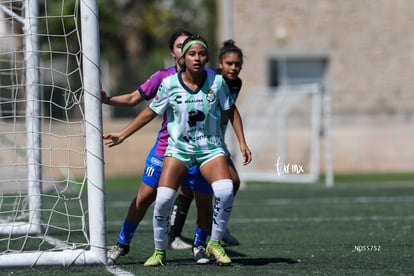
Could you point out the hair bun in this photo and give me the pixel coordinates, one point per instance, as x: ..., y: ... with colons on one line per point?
x: 229, y: 43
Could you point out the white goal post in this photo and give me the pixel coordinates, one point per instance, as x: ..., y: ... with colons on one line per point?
x: 284, y: 127
x: 52, y: 200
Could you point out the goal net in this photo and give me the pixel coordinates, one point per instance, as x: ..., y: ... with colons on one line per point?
x: 51, y: 155
x: 284, y: 127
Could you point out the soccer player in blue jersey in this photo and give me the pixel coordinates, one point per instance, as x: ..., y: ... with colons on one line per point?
x: 193, y: 100
x: 230, y: 62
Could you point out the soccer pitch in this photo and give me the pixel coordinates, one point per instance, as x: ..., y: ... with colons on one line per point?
x: 362, y: 226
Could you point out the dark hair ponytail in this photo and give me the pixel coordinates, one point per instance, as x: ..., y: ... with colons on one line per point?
x: 229, y: 46
x: 177, y: 34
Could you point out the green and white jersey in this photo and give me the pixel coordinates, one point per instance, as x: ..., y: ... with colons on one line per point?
x: 193, y: 117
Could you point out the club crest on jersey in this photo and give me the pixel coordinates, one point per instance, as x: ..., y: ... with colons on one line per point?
x: 210, y: 95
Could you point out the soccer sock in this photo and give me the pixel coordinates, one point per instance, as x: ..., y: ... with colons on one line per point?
x: 127, y: 232
x: 179, y: 215
x: 161, y: 218
x: 200, y: 237
x: 223, y: 191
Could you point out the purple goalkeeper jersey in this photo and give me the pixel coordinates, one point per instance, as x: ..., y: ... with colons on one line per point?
x: 149, y: 90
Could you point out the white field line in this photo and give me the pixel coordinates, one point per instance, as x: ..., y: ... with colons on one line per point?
x: 58, y: 243
x: 118, y: 271
x: 301, y: 201
x: 296, y: 219
x: 336, y: 200
x: 320, y: 219
x: 289, y: 201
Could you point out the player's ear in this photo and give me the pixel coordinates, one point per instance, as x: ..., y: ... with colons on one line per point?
x: 172, y: 54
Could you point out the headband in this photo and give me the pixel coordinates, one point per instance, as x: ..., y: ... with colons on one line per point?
x: 192, y: 42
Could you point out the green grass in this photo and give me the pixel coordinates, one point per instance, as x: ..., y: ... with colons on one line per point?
x: 285, y: 229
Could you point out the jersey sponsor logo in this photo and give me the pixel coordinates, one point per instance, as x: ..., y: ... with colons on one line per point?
x: 211, y: 96
x: 156, y: 161
x: 194, y: 101
x: 194, y: 117
x: 150, y: 171
x: 209, y: 139
x: 178, y: 100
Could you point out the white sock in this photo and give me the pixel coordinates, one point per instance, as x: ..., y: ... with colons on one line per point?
x: 223, y: 192
x: 161, y: 218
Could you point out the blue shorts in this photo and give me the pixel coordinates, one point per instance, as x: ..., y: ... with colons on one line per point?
x: 196, y: 181
x: 152, y: 170
x: 152, y: 173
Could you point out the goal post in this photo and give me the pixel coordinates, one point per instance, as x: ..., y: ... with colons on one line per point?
x: 33, y: 123
x: 52, y: 199
x: 93, y: 126
x: 284, y: 128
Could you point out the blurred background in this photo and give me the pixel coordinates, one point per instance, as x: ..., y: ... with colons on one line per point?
x: 361, y: 51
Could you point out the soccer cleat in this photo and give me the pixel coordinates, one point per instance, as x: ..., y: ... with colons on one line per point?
x: 229, y: 239
x: 200, y: 255
x: 215, y: 249
x: 117, y: 251
x: 158, y: 258
x: 178, y: 244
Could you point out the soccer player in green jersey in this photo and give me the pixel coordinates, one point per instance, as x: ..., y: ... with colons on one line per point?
x: 230, y: 62
x: 194, y: 100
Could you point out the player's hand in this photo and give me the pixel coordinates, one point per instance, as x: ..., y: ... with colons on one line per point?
x: 247, y: 154
x: 112, y: 139
x: 104, y: 97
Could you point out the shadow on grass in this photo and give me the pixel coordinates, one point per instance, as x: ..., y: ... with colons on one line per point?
x: 263, y: 261
x: 236, y: 261
x: 243, y: 259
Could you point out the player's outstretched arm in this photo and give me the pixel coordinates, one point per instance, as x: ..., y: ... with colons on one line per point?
x: 115, y: 138
x: 236, y: 121
x: 129, y: 100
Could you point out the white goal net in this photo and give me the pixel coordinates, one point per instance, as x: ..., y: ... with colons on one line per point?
x: 51, y: 155
x: 284, y: 128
